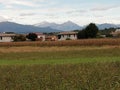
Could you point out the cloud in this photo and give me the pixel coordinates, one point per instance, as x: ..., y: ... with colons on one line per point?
x: 76, y: 11
x: 104, y: 8
x: 28, y: 14
x: 24, y: 3
x: 35, y: 11
x: 4, y: 18
x: 12, y: 3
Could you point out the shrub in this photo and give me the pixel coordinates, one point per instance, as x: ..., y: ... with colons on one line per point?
x: 19, y: 38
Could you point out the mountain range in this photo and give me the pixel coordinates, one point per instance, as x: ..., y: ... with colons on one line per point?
x: 19, y: 28
x: 47, y: 27
x: 66, y: 26
x: 107, y: 25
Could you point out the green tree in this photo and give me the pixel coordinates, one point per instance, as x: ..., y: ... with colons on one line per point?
x: 91, y: 31
x: 32, y: 36
x: 81, y: 34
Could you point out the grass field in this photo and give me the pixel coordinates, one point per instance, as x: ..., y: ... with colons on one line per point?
x: 60, y: 68
x: 58, y: 55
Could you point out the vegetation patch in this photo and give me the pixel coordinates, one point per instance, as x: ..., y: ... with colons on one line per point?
x: 81, y: 42
x: 60, y: 68
x: 95, y: 76
x: 58, y: 55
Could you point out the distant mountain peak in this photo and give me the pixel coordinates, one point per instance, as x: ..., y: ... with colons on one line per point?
x: 66, y: 26
x: 45, y: 22
x: 68, y: 21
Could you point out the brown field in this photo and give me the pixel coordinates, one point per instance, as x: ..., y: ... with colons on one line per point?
x: 53, y: 48
x: 83, y: 42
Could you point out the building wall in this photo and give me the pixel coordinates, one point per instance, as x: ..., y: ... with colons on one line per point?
x: 71, y: 37
x: 5, y: 39
x: 116, y: 33
x: 51, y: 38
x: 41, y: 36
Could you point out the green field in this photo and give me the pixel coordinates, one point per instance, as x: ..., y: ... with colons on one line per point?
x: 70, y: 56
x: 60, y: 68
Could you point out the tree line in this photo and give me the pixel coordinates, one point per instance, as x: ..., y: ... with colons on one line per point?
x: 92, y: 31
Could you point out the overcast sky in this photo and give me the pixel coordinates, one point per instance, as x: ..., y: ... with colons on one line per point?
x: 81, y: 12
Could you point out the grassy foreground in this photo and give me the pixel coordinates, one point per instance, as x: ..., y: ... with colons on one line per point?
x: 60, y: 68
x: 97, y: 76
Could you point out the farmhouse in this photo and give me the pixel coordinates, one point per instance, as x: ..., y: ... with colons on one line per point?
x: 67, y: 36
x: 116, y: 33
x: 51, y: 38
x: 6, y: 37
x: 40, y: 36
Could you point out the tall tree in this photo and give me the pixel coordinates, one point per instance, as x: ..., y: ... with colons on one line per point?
x: 81, y: 34
x: 32, y: 36
x: 91, y: 30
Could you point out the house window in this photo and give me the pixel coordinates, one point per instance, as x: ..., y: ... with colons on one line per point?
x: 0, y: 38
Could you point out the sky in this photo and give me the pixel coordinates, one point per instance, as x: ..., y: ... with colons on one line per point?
x: 81, y: 12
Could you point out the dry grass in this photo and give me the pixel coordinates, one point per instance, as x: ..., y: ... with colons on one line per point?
x: 83, y: 42
x: 50, y: 49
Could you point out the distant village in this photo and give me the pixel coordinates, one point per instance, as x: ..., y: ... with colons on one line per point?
x: 71, y: 35
x: 11, y: 36
x: 55, y: 36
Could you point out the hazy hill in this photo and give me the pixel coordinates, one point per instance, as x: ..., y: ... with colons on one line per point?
x: 67, y: 26
x: 107, y: 25
x: 19, y: 28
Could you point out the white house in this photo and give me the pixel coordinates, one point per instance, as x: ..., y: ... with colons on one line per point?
x: 67, y: 36
x: 116, y: 33
x: 6, y: 37
x: 40, y: 36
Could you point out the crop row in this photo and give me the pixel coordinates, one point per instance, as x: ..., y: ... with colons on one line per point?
x: 83, y: 42
x: 61, y: 77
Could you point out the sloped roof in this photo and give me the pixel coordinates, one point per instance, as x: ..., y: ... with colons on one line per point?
x: 6, y: 35
x: 41, y: 34
x: 37, y: 33
x: 66, y: 33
